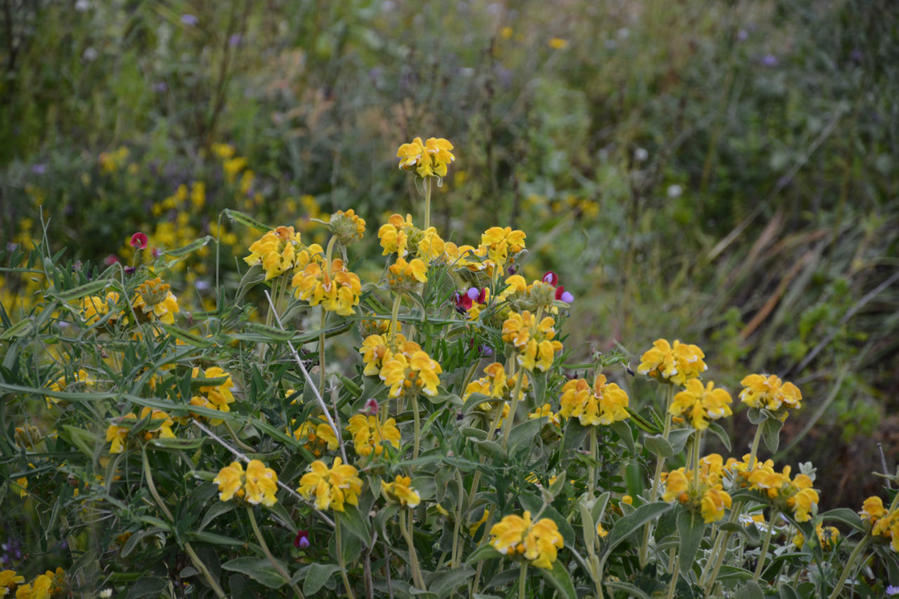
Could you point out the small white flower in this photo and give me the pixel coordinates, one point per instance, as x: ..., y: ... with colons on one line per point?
x: 105, y: 593
x: 640, y: 154
x: 675, y: 191
x: 90, y: 54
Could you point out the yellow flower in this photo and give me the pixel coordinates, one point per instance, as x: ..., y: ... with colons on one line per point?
x: 604, y: 404
x: 463, y: 257
x: 163, y: 429
x: 223, y: 150
x: 332, y: 487
x: 827, y: 535
x: 317, y: 435
x: 872, y: 509
x: 703, y: 493
x: 429, y: 159
x: 215, y: 397
x: 8, y: 581
x: 94, y: 307
x: 374, y: 349
x: 771, y: 393
x: 627, y: 500
x: 673, y: 363
x: 394, y: 235
x: 155, y: 301
x: 602, y: 532
x: 279, y: 251
x: 116, y: 434
x: 411, y: 371
x: 39, y: 588
x: 369, y: 434
x: 233, y: 166
x: 498, y: 386
x: 538, y: 542
x: 403, y: 273
x: 261, y: 484
x: 230, y: 481
x: 699, y: 403
x: 533, y: 342
x: 713, y: 503
x: 335, y: 288
x: 545, y: 411
x: 401, y: 490
x: 63, y: 382
x: 557, y: 43
x: 473, y: 528
x: 499, y: 244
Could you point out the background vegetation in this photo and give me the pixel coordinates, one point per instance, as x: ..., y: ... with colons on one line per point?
x: 723, y: 173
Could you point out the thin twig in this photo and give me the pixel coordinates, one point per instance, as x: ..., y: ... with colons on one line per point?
x: 243, y: 457
x: 309, y: 381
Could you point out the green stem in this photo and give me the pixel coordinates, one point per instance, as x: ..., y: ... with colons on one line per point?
x: 321, y: 352
x: 764, y: 552
x: 754, y: 449
x: 656, y: 478
x: 716, y: 556
x: 507, y: 425
x: 406, y: 530
x: 672, y: 567
x: 522, y: 578
x: 458, y: 524
x: 340, y: 561
x: 427, y: 186
x: 697, y: 441
x: 591, y: 475
x: 853, y: 557
x: 394, y: 315
x: 268, y: 554
x: 416, y: 422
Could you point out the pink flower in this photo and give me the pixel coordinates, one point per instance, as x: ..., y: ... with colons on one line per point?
x: 110, y: 259
x: 139, y: 240
x: 551, y: 278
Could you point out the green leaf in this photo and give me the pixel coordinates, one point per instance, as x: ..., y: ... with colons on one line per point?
x: 83, y: 290
x: 787, y: 592
x: 771, y: 433
x: 524, y: 433
x: 246, y: 220
x: 749, y: 590
x: 353, y: 522
x: 187, y: 337
x: 560, y: 579
x: 446, y: 583
x: 678, y: 438
x: 23, y: 328
x: 259, y: 569
x: 489, y: 449
x: 177, y: 444
x: 733, y: 574
x: 632, y: 590
x: 846, y: 516
x: 623, y: 430
x: 147, y: 586
x: 190, y: 248
x: 483, y: 552
x: 80, y: 438
x: 658, y: 445
x: 628, y: 525
x: 316, y: 575
x: 690, y: 528
x: 215, y: 539
x: 718, y: 430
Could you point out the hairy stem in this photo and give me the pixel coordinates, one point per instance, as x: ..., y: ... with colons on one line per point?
x: 268, y: 554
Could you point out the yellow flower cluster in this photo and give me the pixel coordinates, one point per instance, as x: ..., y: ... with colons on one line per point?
x: 827, y: 537
x: 501, y: 244
x: 155, y: 301
x: 545, y: 411
x: 43, y: 586
x: 769, y: 392
x: 402, y: 365
x: 794, y: 495
x: 672, y: 363
x: 884, y: 523
x: 332, y: 487
x: 604, y: 403
x: 318, y: 436
x: 429, y: 159
x: 94, y: 307
x: 215, y: 396
x: 464, y: 257
x: 334, y: 286
x: 497, y: 385
x: 63, y: 382
x: 403, y: 274
x: 700, y: 403
x: 534, y: 342
x: 401, y: 490
x: 346, y: 226
x: 257, y: 485
x: 281, y: 250
x: 116, y: 434
x: 703, y: 493
x: 369, y: 433
x: 539, y: 542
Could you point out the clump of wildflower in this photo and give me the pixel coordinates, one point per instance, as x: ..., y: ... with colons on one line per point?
x: 257, y: 485
x: 403, y: 275
x: 546, y: 411
x: 117, y: 432
x: 702, y: 493
x: 215, y: 396
x: 471, y: 301
x: 399, y: 236
x: 538, y: 542
x: 742, y: 472
x: 401, y: 491
x: 675, y: 363
x: 700, y: 403
x: 795, y: 495
x: 827, y: 537
x: 498, y: 386
x: 533, y: 342
x: 333, y: 487
x: 429, y: 159
x: 94, y: 307
x: 65, y: 381
x: 884, y: 523
x: 463, y: 257
x: 281, y: 250
x: 42, y: 587
x: 501, y: 245
x: 770, y: 393
x: 401, y: 364
x: 155, y: 301
x: 603, y: 403
x: 8, y: 581
x: 346, y: 226
x: 333, y: 286
x: 318, y: 436
x: 369, y: 434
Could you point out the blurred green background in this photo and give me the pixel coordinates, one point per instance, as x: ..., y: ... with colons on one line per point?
x: 720, y: 172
